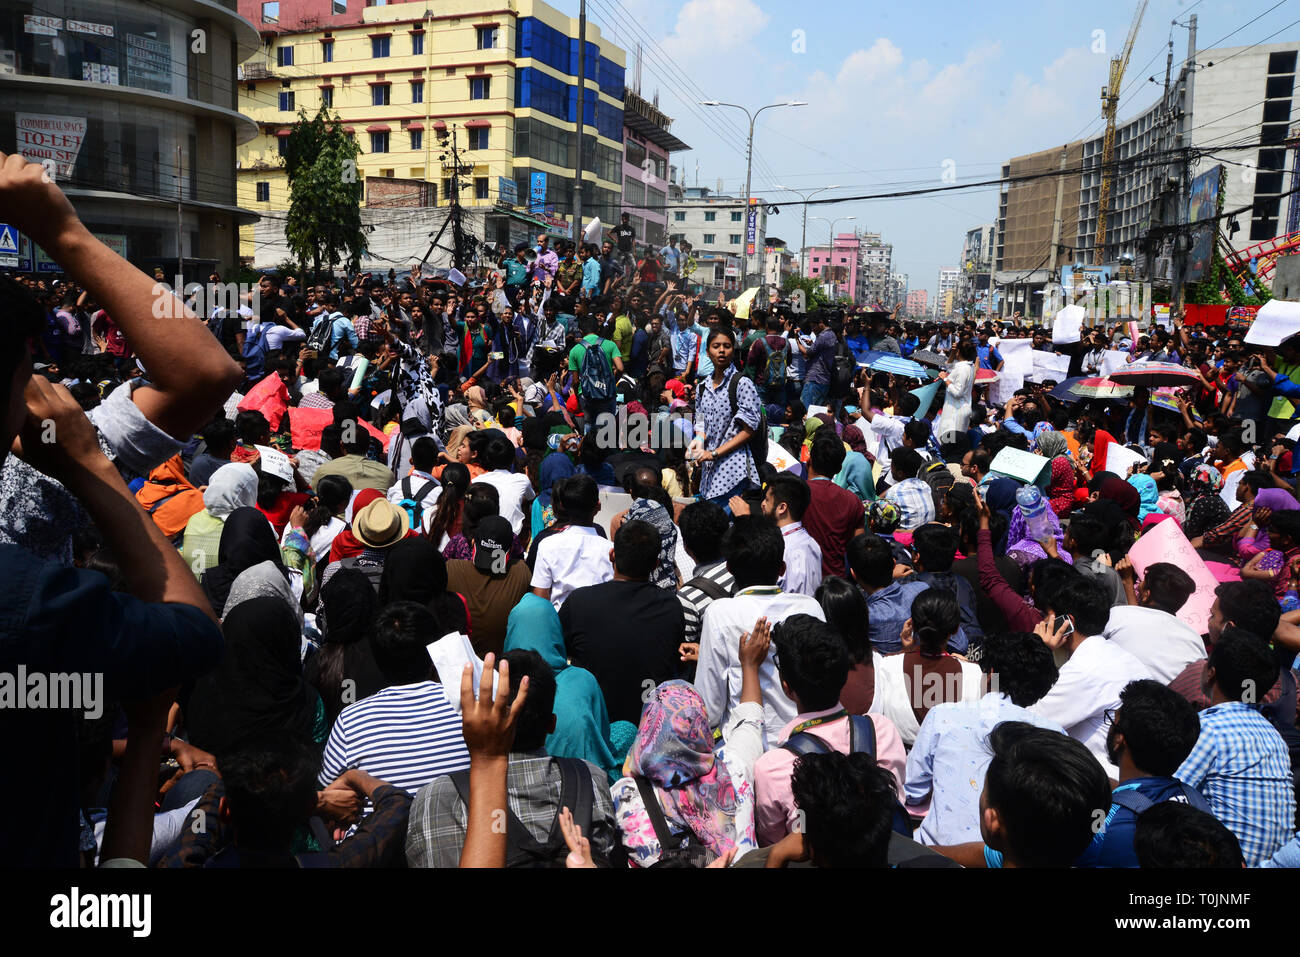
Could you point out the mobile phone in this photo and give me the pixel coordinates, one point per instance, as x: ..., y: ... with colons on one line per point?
x: 1067, y: 625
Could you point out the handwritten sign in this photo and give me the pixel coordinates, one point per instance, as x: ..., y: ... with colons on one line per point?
x: 1119, y: 459
x: 1167, y: 543
x: 1048, y: 365
x: 1017, y: 357
x: 1276, y: 321
x: 1017, y: 464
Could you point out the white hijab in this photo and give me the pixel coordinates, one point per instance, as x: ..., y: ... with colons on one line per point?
x: 231, y: 486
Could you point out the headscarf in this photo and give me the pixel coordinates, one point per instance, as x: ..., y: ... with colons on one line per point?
x: 1148, y: 494
x: 855, y: 440
x: 414, y: 570
x: 1279, y: 500
x: 453, y: 417
x: 1024, y: 550
x: 261, y: 581
x: 476, y: 398
x: 258, y: 686
x: 347, y: 609
x: 1051, y: 444
x: 883, y: 516
x: 664, y: 574
x: 1206, y: 480
x: 674, y: 752
x: 230, y: 487
x: 581, y: 717
x: 1206, y: 510
x: 1060, y: 490
x: 556, y: 466
x: 1001, y: 495
x: 1110, y: 486
x: 247, y: 540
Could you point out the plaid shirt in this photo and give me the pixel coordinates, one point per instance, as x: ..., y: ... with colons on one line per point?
x: 376, y: 842
x: 362, y: 324
x: 438, y: 816
x: 915, y: 499
x: 1222, y: 535
x: 1241, y: 764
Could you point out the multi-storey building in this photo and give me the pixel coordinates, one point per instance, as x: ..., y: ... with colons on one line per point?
x: 976, y: 268
x: 648, y: 141
x: 839, y: 266
x: 407, y: 79
x: 133, y: 104
x: 946, y: 292
x: 714, y: 225
x: 778, y: 262
x: 918, y: 304
x: 877, y: 261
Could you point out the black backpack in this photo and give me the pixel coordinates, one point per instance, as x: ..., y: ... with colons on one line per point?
x: 862, y: 740
x: 758, y: 439
x: 522, y: 849
x: 1137, y: 803
x: 844, y: 367
x: 681, y: 850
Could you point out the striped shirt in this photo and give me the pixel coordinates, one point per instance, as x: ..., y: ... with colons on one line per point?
x: 406, y: 735
x: 1241, y: 764
x: 695, y: 600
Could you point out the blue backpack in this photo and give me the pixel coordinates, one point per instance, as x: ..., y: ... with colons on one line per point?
x: 596, y: 378
x: 255, y: 351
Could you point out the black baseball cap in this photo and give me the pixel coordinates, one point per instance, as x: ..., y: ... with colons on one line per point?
x: 493, y: 540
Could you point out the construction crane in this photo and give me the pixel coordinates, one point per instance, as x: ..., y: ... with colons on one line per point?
x: 1109, y: 106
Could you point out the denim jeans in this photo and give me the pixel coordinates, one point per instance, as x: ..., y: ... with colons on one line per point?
x: 814, y: 394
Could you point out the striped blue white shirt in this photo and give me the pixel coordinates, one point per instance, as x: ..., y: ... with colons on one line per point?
x: 406, y: 735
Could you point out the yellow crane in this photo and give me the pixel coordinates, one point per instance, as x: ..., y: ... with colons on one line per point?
x: 1109, y: 106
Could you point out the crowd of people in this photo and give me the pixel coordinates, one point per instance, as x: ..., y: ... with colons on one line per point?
x: 572, y: 568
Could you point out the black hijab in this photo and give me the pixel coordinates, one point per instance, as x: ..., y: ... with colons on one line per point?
x: 258, y: 687
x: 414, y: 570
x: 349, y: 608
x: 247, y: 540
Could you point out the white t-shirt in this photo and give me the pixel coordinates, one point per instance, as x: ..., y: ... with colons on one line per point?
x: 573, y: 558
x: 515, y: 490
x: 1156, y: 638
x: 277, y: 336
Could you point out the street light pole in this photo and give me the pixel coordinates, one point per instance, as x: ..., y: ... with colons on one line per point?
x: 749, y: 172
x: 831, y: 245
x: 803, y: 241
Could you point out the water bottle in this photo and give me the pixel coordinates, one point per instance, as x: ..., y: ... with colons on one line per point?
x: 1033, y: 508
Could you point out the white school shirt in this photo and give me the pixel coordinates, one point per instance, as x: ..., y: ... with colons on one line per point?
x: 515, y: 490
x: 1156, y: 638
x: 803, y: 561
x: 573, y: 558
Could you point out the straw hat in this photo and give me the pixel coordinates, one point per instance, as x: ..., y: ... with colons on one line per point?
x: 380, y: 524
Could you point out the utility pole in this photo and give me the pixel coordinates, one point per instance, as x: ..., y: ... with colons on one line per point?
x: 1056, y: 222
x: 180, y: 223
x: 582, y: 107
x: 1184, y: 236
x: 803, y: 242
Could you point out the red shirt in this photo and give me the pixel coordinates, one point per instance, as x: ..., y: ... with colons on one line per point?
x: 278, y: 514
x: 834, y: 516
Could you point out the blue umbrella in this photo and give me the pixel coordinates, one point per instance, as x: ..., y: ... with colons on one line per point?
x: 897, y: 365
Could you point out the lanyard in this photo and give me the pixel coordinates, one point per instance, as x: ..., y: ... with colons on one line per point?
x: 814, y: 722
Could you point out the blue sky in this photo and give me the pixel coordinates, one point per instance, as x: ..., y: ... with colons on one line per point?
x: 899, y: 92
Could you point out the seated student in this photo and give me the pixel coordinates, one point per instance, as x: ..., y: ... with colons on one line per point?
x: 889, y: 600
x: 947, y: 764
x: 1240, y: 762
x: 1149, y: 630
x: 912, y: 495
x: 1248, y: 605
x: 493, y: 450
x: 934, y: 548
x: 575, y: 553
x: 813, y: 665
x: 834, y: 515
x: 1150, y: 736
x: 490, y: 582
x: 537, y: 788
x: 628, y: 630
x: 845, y: 608
x: 407, y: 734
x: 1087, y: 538
x: 1178, y: 836
x: 219, y: 443
x: 1095, y: 670
x: 419, y: 486
x: 702, y: 525
x: 254, y: 813
x: 846, y: 803
x: 753, y: 548
x: 923, y: 674
x: 1042, y: 792
x: 785, y: 500
x: 355, y: 466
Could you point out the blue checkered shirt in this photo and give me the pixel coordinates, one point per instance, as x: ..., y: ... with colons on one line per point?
x: 1240, y: 763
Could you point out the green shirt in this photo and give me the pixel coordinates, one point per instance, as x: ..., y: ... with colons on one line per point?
x: 623, y: 334
x: 579, y: 352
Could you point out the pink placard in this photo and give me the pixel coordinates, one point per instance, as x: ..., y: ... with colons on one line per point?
x: 1167, y: 543
x: 270, y: 397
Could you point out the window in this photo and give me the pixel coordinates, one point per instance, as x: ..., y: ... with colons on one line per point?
x: 487, y: 37
x: 327, y: 96
x: 478, y: 138
x: 327, y: 52
x: 417, y: 91
x: 284, y: 56
x: 378, y: 47
x: 735, y: 239
x: 286, y: 102
x: 379, y: 142
x: 263, y: 192
x: 271, y: 12
x: 417, y: 44
x: 340, y: 7
x: 379, y: 95
x: 417, y: 139
x: 282, y: 145
x: 735, y: 217
x: 480, y: 187
x: 710, y: 217
x: 679, y: 217
x: 480, y: 87
x: 710, y: 238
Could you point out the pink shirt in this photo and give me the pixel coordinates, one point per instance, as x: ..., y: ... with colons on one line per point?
x: 775, y: 815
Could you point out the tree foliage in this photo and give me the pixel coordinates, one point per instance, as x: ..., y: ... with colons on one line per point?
x: 816, y: 298
x: 323, y: 226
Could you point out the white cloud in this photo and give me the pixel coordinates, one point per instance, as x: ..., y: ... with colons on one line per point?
x: 714, y: 28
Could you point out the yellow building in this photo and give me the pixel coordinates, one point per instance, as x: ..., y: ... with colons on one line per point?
x: 403, y: 76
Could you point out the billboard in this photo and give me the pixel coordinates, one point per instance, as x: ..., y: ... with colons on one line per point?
x: 1203, y: 207
x: 55, y: 138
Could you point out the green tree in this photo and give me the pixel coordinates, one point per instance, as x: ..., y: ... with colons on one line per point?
x: 812, y: 289
x: 323, y: 225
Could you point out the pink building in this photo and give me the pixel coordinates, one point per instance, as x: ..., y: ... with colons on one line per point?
x: 918, y: 302
x: 838, y: 264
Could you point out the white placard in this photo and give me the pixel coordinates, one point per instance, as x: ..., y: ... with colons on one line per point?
x: 274, y: 462
x: 1001, y: 391
x: 1276, y: 321
x: 1048, y: 365
x: 1017, y: 357
x: 779, y: 458
x: 456, y: 276
x: 815, y: 410
x: 449, y: 655
x: 1113, y: 360
x: 1119, y: 458
x: 1066, y: 326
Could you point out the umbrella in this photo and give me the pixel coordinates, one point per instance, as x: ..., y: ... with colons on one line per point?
x: 1097, y: 388
x: 897, y: 365
x: 1155, y: 374
x: 986, y: 376
x: 928, y: 358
